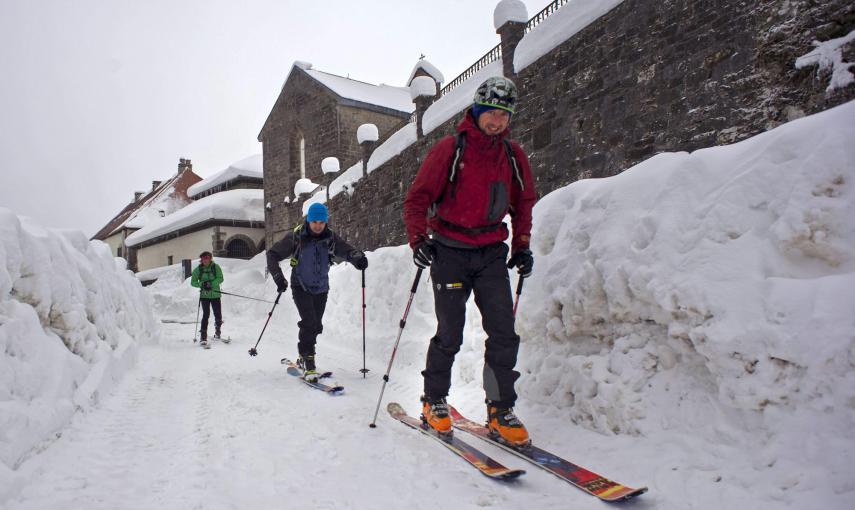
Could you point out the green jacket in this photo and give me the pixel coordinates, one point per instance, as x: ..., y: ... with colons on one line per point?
x: 212, y: 274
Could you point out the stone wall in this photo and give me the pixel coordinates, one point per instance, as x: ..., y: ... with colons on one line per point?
x: 649, y: 76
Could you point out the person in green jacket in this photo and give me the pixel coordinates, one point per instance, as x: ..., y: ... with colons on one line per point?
x: 208, y: 276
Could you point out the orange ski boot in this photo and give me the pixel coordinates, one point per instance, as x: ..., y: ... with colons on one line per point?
x: 435, y: 414
x: 506, y: 427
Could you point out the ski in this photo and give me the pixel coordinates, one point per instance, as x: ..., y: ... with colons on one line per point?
x: 472, y: 455
x: 326, y: 388
x: 225, y: 340
x: 204, y: 344
x: 588, y: 481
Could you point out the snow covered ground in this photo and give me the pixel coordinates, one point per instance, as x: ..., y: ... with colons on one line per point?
x: 689, y: 327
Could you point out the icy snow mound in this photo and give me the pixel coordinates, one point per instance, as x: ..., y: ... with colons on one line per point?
x: 70, y: 319
x: 724, y: 277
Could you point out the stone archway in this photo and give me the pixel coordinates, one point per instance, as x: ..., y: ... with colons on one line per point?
x: 240, y: 246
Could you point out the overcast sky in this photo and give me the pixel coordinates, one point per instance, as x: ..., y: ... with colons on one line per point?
x: 100, y: 97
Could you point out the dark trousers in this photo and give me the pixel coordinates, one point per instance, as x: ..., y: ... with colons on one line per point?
x: 311, y: 308
x: 455, y: 273
x: 207, y: 304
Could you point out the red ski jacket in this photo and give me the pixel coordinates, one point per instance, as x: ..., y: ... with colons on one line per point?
x: 485, y: 191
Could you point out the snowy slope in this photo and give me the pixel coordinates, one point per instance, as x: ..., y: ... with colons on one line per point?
x: 688, y: 327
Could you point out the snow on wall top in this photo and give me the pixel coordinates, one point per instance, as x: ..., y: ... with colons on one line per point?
x: 236, y: 204
x: 422, y: 86
x: 509, y: 10
x: 428, y: 68
x: 558, y: 27
x: 248, y: 167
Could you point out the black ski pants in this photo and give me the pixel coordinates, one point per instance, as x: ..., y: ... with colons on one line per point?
x: 207, y: 304
x: 311, y: 309
x: 455, y: 273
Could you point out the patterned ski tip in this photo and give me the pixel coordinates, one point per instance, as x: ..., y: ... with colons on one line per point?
x: 470, y: 454
x: 588, y: 481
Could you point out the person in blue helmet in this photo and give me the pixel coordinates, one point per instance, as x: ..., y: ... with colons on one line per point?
x: 312, y: 246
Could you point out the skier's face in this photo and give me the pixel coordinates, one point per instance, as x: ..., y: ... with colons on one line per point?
x: 494, y: 121
x: 317, y: 226
x: 206, y: 261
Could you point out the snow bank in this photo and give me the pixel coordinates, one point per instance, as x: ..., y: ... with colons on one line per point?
x: 696, y: 286
x: 70, y: 318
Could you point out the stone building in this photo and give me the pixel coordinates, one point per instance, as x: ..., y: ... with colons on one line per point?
x: 316, y: 116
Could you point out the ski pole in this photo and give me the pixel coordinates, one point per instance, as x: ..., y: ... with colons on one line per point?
x: 252, y: 351
x: 403, y: 323
x: 519, y: 291
x: 196, y: 327
x: 245, y: 297
x: 364, y: 370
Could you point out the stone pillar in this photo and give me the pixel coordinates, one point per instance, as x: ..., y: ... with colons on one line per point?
x: 422, y: 104
x: 367, y: 149
x: 218, y: 242
x: 511, y: 33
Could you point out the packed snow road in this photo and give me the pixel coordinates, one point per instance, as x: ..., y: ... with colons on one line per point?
x: 217, y: 429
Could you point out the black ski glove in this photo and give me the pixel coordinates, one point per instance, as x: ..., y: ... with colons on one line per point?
x: 281, y: 282
x: 423, y: 253
x: 523, y: 261
x: 206, y: 285
x: 358, y: 259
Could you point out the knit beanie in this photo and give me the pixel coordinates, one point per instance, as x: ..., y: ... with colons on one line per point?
x: 318, y: 212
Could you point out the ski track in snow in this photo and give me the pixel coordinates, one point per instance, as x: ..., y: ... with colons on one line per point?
x: 217, y: 429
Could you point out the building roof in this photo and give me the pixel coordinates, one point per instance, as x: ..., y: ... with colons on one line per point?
x: 237, y: 205
x: 387, y: 96
x: 168, y: 196
x: 246, y: 169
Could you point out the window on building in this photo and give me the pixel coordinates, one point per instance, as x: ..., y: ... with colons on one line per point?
x: 119, y: 251
x: 169, y: 260
x: 239, y: 249
x: 297, y: 157
x: 302, y: 157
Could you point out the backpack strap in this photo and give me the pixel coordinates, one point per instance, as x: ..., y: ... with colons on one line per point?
x: 456, y: 160
x: 512, y: 157
x: 297, y: 244
x: 459, y: 146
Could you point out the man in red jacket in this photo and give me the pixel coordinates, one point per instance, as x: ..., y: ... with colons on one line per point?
x: 453, y: 213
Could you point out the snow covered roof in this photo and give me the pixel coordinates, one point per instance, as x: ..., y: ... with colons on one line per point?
x: 232, y: 205
x: 249, y: 167
x: 387, y: 96
x: 427, y: 67
x: 166, y: 198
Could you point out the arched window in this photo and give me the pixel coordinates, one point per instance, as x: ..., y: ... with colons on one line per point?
x: 240, y: 247
x: 298, y: 152
x: 302, y: 157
